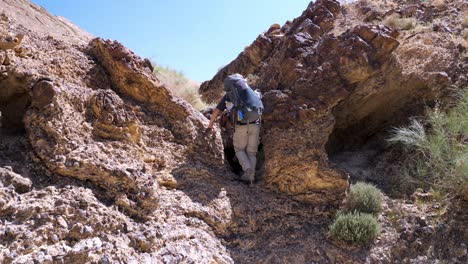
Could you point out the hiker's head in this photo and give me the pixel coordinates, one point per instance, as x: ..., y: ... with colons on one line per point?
x: 228, y: 81
x: 236, y: 76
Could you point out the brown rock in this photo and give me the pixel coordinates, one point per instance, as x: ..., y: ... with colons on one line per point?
x: 314, y: 30
x: 333, y: 6
x: 294, y: 139
x: 382, y: 39
x: 37, y: 19
x: 43, y: 93
x: 344, y: 78
x: 2, y: 60
x: 88, y: 134
x: 124, y: 173
x: 274, y: 29
x: 20, y: 184
x: 9, y: 45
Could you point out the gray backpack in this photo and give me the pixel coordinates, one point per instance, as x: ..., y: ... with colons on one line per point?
x: 247, y: 103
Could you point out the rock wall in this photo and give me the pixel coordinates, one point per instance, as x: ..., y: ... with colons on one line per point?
x: 331, y: 79
x: 92, y: 148
x: 35, y: 18
x: 100, y: 163
x: 95, y: 112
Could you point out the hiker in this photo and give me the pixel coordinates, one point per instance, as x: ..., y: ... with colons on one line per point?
x: 245, y: 106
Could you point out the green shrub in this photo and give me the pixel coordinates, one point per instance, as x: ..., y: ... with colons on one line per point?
x: 437, y: 154
x: 355, y: 227
x: 364, y: 198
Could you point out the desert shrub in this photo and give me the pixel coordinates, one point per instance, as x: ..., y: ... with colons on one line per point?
x: 355, y: 227
x: 437, y: 152
x: 180, y: 85
x: 364, y: 198
x: 397, y: 22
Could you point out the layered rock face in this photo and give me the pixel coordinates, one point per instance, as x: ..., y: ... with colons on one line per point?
x: 92, y: 111
x: 100, y: 163
x: 37, y: 19
x: 80, y: 127
x: 120, y: 143
x: 329, y: 82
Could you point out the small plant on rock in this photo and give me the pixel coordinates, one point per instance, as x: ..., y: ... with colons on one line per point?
x: 364, y: 198
x: 355, y: 227
x: 437, y: 153
x: 180, y: 85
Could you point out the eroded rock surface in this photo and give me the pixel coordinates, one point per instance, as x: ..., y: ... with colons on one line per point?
x: 92, y: 146
x: 119, y: 142
x: 18, y: 182
x: 100, y: 163
x: 330, y: 81
x: 35, y: 18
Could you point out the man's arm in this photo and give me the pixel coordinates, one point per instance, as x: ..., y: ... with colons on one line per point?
x: 213, y: 117
x: 219, y: 108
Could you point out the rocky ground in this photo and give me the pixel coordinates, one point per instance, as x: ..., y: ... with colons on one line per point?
x: 100, y: 163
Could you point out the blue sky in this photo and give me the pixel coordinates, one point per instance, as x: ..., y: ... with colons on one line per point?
x: 196, y: 37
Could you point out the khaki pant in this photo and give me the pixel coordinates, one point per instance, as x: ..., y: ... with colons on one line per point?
x: 246, y: 140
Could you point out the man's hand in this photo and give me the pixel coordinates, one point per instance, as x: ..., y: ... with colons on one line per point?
x: 209, y: 129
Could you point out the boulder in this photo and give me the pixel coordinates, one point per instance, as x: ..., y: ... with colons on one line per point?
x: 19, y: 183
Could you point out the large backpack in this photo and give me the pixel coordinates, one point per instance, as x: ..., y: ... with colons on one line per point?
x: 247, y: 103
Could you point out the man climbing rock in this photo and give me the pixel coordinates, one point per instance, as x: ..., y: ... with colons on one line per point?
x: 246, y: 107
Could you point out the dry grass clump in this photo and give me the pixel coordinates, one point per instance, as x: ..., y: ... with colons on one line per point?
x: 180, y: 86
x: 437, y: 152
x: 397, y: 22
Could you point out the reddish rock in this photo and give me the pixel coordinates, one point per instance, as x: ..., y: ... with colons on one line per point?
x: 320, y: 88
x: 318, y: 75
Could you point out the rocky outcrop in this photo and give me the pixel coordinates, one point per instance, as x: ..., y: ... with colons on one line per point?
x: 100, y: 163
x: 115, y: 142
x: 36, y: 19
x: 298, y: 75
x: 329, y: 83
x: 92, y: 145
x: 81, y: 128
